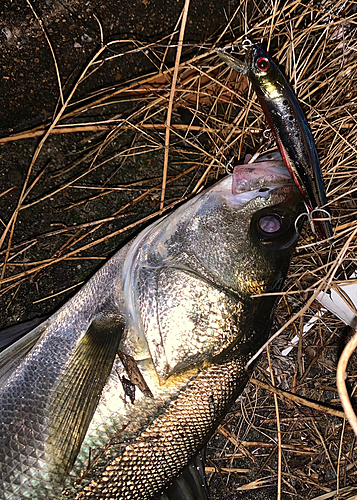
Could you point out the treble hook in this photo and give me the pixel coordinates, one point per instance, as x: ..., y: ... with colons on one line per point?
x: 309, y: 215
x: 267, y: 135
x: 229, y: 167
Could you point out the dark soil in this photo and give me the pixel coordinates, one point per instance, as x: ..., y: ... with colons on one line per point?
x: 29, y: 87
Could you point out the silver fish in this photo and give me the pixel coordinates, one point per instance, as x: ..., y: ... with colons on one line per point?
x: 113, y: 395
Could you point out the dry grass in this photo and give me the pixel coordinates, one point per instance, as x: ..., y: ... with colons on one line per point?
x: 316, y: 45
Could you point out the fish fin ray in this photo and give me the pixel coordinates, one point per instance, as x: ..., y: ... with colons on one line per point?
x: 78, y: 391
x: 191, y: 484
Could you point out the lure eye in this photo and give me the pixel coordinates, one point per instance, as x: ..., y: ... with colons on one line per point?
x: 270, y: 223
x: 263, y: 63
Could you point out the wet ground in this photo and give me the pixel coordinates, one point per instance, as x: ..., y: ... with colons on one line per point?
x: 29, y: 85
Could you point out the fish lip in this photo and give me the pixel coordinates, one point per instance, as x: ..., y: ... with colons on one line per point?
x: 264, y: 175
x: 232, y: 60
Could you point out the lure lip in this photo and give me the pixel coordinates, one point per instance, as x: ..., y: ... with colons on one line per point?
x: 230, y: 58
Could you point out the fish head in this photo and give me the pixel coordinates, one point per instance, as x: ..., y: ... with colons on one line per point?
x: 266, y: 204
x: 196, y: 271
x: 225, y: 234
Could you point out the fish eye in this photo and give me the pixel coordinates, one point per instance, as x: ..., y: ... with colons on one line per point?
x: 274, y: 228
x: 270, y: 223
x: 263, y: 63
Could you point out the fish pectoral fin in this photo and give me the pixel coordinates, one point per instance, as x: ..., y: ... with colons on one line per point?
x: 191, y: 484
x: 78, y: 391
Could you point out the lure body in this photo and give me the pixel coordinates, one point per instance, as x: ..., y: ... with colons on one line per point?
x: 287, y: 123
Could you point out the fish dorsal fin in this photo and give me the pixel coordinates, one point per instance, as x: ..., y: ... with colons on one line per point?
x: 13, y: 333
x: 191, y: 484
x: 12, y: 356
x: 78, y: 391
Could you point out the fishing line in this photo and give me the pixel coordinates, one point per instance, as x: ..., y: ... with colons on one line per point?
x: 144, y: 48
x: 229, y: 24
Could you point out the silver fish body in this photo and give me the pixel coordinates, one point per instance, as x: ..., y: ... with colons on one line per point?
x: 114, y: 394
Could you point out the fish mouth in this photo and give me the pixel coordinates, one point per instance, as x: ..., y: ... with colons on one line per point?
x: 261, y: 176
x: 230, y: 55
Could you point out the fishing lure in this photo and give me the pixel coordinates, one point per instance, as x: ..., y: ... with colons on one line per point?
x: 287, y: 123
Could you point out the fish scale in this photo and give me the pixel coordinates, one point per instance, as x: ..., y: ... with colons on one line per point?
x: 200, y: 406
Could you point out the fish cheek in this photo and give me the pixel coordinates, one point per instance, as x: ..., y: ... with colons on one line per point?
x: 186, y: 319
